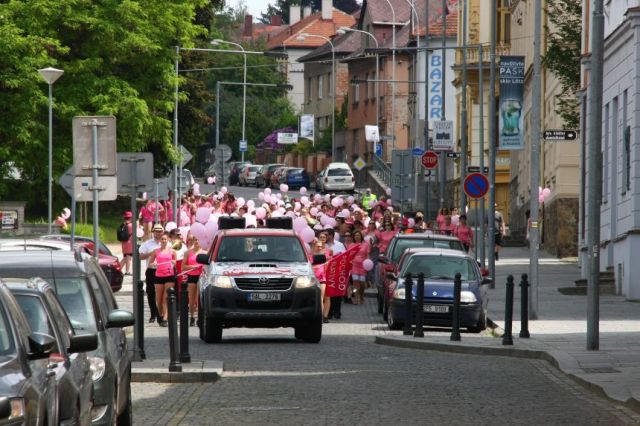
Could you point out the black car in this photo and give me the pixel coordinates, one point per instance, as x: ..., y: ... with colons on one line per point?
x: 236, y: 168
x: 46, y: 315
x: 27, y: 382
x: 84, y: 292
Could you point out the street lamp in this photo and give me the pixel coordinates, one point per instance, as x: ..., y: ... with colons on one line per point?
x: 217, y: 42
x: 301, y: 37
x: 393, y: 77
x: 50, y: 75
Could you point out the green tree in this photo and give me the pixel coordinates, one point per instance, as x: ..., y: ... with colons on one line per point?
x: 563, y: 55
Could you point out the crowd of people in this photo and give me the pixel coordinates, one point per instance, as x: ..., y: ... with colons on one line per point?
x: 329, y: 224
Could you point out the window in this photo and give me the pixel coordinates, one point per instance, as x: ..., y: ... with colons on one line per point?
x: 626, y: 147
x: 320, y: 86
x: 356, y: 92
x: 260, y: 249
x: 440, y: 267
x: 614, y: 136
x: 309, y: 88
x: 366, y: 87
x: 605, y: 156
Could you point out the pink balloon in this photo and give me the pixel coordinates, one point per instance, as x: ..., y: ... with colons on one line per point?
x: 210, y: 229
x: 351, y: 199
x: 284, y: 187
x: 198, y: 231
x: 224, y: 189
x: 140, y: 232
x: 546, y: 192
x: 144, y: 195
x: 276, y: 213
x: 327, y: 198
x: 317, y: 198
x: 66, y: 213
x: 196, y: 187
x: 202, y: 214
x: 170, y: 226
x: 303, y: 190
x: 240, y: 201
x: 278, y: 196
x: 412, y: 222
x: 184, y: 232
x: 308, y: 235
x: 304, y: 200
x: 267, y: 190
x: 261, y: 196
x: 541, y: 198
x: 251, y: 220
x: 367, y: 264
x: 336, y: 202
x: 313, y: 211
x: 210, y: 180
x: 324, y: 219
x: 299, y: 224
x: 261, y: 212
x: 290, y: 214
x: 251, y: 204
x: 346, y: 213
x: 267, y: 198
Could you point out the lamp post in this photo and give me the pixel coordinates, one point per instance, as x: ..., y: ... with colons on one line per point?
x: 50, y: 75
x: 244, y: 87
x: 333, y: 89
x: 393, y: 76
x: 416, y: 166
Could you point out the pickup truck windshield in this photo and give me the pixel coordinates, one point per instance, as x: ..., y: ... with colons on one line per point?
x: 260, y: 249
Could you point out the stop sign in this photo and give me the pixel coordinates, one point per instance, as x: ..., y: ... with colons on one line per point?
x: 430, y: 160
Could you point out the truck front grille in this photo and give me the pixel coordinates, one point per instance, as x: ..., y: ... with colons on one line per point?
x: 254, y: 284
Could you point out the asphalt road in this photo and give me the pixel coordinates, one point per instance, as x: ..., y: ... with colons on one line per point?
x: 270, y: 378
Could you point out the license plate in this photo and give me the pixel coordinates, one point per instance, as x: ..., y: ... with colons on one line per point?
x: 264, y: 297
x: 436, y: 309
x: 338, y: 180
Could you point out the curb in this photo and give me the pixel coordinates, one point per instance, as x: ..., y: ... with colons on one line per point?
x: 561, y: 360
x: 157, y: 371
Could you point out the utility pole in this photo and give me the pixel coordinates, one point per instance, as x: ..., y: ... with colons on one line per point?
x: 176, y: 201
x: 594, y: 176
x: 534, y: 232
x: 481, y: 238
x: 463, y: 113
x: 443, y: 156
x: 427, y: 145
x: 492, y: 142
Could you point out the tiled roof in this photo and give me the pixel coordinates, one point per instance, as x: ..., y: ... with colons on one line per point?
x: 344, y: 44
x: 381, y: 13
x: 312, y: 24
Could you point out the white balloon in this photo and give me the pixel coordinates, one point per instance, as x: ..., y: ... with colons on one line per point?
x: 267, y: 190
x: 251, y: 204
x: 240, y: 201
x: 170, y: 226
x: 303, y: 190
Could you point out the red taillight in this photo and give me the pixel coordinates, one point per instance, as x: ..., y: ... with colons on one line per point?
x: 353, y: 178
x: 326, y: 180
x: 116, y: 266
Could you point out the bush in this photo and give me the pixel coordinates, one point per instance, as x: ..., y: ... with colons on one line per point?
x: 86, y: 230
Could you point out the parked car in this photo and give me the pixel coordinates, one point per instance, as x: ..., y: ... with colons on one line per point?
x: 235, y: 167
x: 439, y: 267
x: 69, y: 360
x: 275, y: 176
x: 249, y: 174
x: 264, y: 178
x: 336, y: 177
x: 110, y: 264
x: 28, y: 388
x: 84, y: 292
x: 296, y: 177
x: 388, y: 261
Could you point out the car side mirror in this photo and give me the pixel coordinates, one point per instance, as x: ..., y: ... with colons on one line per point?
x: 5, y: 407
x: 203, y: 258
x: 40, y: 345
x: 391, y: 276
x: 119, y: 318
x: 83, y: 343
x: 487, y: 280
x: 319, y: 259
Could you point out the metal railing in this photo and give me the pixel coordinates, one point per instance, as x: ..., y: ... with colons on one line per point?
x: 473, y: 56
x: 382, y: 169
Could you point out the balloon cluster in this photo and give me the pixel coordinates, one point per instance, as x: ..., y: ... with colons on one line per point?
x: 543, y: 194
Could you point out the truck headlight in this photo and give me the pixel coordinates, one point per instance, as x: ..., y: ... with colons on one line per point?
x: 399, y: 293
x: 222, y: 281
x: 306, y: 282
x: 17, y: 408
x: 467, y: 297
x: 97, y: 367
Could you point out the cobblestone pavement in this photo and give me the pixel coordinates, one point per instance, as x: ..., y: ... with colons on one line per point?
x: 270, y: 378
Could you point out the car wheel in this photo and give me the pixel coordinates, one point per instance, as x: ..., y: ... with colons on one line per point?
x: 126, y: 417
x: 311, y: 333
x: 391, y: 322
x: 481, y: 325
x: 385, y: 311
x: 380, y: 303
x: 212, y: 331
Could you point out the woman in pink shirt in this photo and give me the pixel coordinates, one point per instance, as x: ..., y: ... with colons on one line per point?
x: 193, y: 270
x: 464, y: 233
x: 318, y: 247
x: 385, y: 235
x: 358, y: 273
x: 165, y: 260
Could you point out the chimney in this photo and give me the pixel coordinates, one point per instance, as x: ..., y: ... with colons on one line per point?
x: 248, y: 26
x: 306, y: 11
x: 294, y: 14
x: 327, y: 9
x: 276, y: 20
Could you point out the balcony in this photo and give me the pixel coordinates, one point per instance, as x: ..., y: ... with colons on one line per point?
x: 473, y: 54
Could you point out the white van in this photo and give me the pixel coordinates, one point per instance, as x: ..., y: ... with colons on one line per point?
x: 336, y: 177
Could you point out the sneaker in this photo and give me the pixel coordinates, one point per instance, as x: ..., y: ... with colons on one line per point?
x: 325, y: 320
x: 497, y: 256
x: 192, y: 322
x: 163, y: 323
x: 152, y: 320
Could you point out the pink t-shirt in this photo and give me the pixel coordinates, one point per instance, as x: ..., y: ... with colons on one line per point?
x: 464, y: 234
x: 384, y: 238
x: 362, y: 254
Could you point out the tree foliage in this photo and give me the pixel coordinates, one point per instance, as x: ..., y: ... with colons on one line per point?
x: 563, y: 55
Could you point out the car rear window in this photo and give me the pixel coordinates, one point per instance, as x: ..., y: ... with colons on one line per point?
x: 296, y: 171
x: 339, y: 172
x: 74, y: 295
x: 272, y: 168
x: 260, y: 249
x: 406, y: 243
x: 440, y: 267
x: 254, y: 168
x: 36, y: 314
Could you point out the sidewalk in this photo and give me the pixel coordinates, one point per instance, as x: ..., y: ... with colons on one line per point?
x: 559, y: 335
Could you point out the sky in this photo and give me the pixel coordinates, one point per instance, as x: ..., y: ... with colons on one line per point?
x: 255, y: 7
